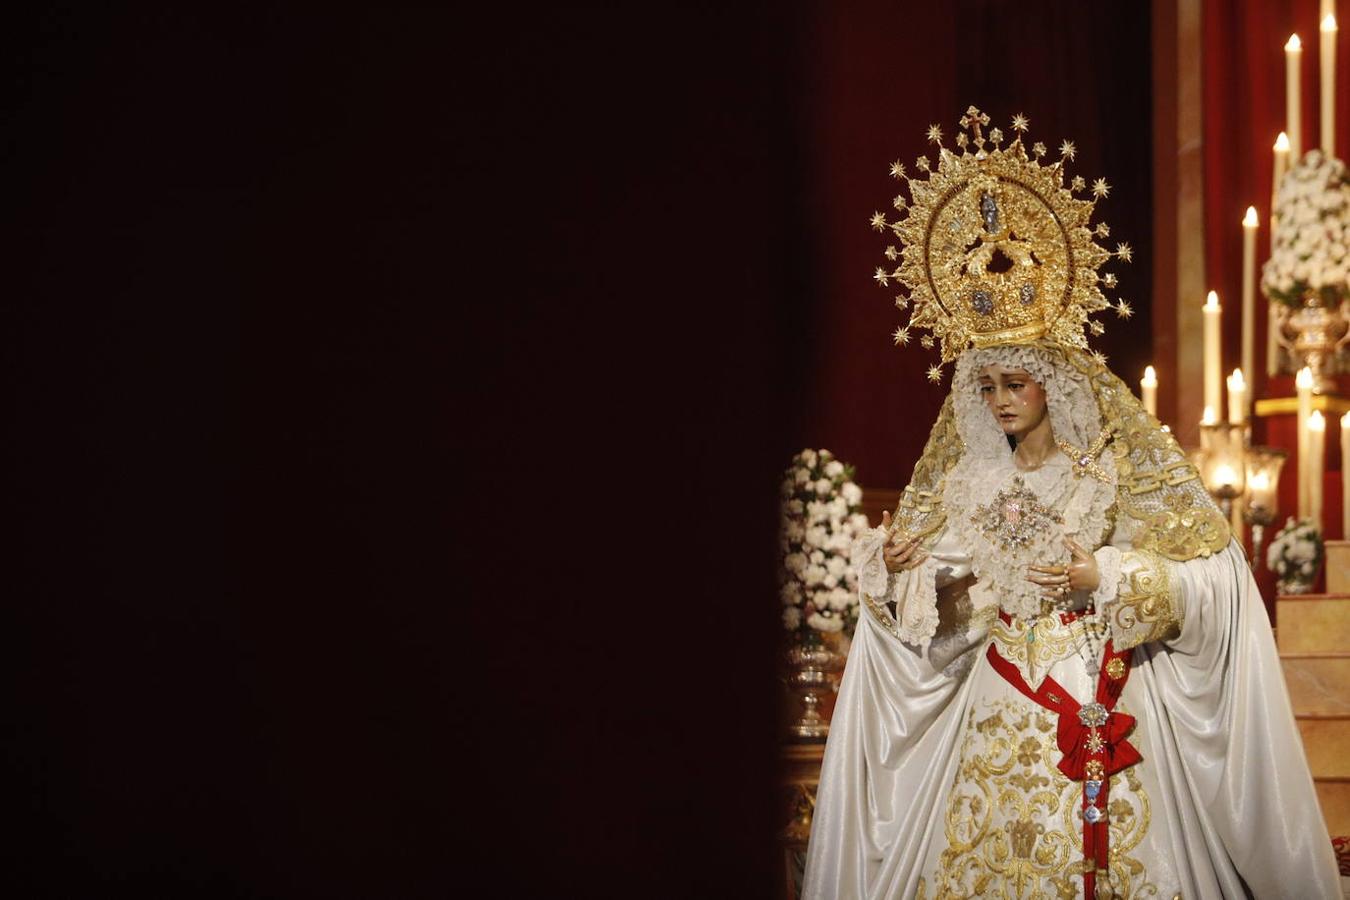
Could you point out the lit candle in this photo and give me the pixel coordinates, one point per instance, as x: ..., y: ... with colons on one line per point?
x: 1304, y: 383
x: 1225, y: 475
x: 1281, y: 167
x: 1209, y: 418
x: 1317, y: 428
x: 1328, y: 60
x: 1237, y: 398
x: 1148, y: 390
x: 1249, y: 225
x: 1345, y: 481
x: 1213, y: 357
x: 1293, y: 56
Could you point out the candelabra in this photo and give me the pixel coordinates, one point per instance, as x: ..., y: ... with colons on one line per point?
x: 1263, y: 479
x: 1221, y: 462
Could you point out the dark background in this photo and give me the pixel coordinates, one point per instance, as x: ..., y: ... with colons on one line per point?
x: 395, y: 402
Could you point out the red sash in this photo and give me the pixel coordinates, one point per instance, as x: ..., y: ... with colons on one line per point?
x: 1092, y: 739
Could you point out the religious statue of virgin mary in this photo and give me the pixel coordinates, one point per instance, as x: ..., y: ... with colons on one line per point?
x: 1064, y: 682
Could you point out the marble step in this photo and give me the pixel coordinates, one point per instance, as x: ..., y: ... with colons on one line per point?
x: 1326, y: 743
x: 1319, y: 683
x: 1338, y: 567
x: 1333, y: 795
x: 1313, y: 623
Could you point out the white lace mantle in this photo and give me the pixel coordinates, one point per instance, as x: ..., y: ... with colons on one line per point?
x: 987, y: 467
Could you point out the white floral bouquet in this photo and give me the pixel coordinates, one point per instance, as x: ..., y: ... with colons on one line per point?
x: 1311, y: 249
x: 820, y: 519
x: 1295, y: 555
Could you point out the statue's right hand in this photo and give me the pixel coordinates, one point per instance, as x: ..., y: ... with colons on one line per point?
x: 900, y: 552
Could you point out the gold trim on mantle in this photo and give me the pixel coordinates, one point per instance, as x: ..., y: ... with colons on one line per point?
x: 1288, y: 406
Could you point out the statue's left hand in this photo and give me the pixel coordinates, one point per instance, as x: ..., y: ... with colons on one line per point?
x: 1083, y: 572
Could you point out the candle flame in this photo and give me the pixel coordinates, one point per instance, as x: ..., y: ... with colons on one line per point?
x: 1282, y: 143
x: 1250, y: 220
x: 1150, y: 378
x: 1236, y: 381
x: 1225, y: 474
x: 1316, y: 422
x: 1259, y: 481
x: 1209, y: 418
x: 1304, y: 379
x: 1329, y: 23
x: 1294, y: 45
x: 1212, y: 301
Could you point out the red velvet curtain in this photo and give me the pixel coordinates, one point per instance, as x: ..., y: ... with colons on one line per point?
x: 877, y: 75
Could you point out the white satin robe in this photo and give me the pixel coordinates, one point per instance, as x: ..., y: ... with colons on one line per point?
x: 1223, y: 782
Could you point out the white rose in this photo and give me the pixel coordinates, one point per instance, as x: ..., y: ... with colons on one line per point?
x: 817, y: 536
x: 794, y: 507
x: 851, y: 493
x: 859, y: 522
x: 839, y: 543
x: 824, y: 486
x: 796, y: 562
x: 834, y: 468
x: 840, y: 599
x: 821, y: 623
x: 808, y: 457
x: 817, y: 557
x: 817, y: 511
x: 790, y: 593
x: 830, y: 581
x: 838, y: 508
x: 836, y: 566
x: 793, y: 531
x: 802, y: 476
x: 813, y: 575
x: 792, y: 618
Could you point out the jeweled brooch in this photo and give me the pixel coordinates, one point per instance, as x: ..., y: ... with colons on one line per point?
x: 1014, y: 516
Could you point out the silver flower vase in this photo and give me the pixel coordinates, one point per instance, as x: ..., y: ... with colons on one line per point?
x: 811, y: 664
x: 1313, y: 334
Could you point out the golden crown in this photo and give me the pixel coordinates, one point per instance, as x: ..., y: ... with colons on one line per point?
x: 996, y: 249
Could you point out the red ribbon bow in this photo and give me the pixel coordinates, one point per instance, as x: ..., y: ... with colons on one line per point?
x: 1092, y: 740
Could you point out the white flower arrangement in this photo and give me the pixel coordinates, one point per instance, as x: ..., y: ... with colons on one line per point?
x: 820, y: 519
x: 1311, y: 248
x: 1295, y: 555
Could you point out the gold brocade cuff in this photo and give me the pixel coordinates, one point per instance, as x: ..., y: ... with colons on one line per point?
x: 1147, y: 607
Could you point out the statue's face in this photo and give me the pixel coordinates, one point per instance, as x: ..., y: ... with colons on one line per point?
x: 1015, y: 400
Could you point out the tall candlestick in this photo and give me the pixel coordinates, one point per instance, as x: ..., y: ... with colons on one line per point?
x: 1317, y: 440
x: 1249, y: 225
x: 1304, y: 383
x: 1148, y: 390
x: 1293, y: 57
x: 1328, y: 85
x: 1281, y: 166
x: 1213, y: 355
x: 1345, y: 481
x: 1237, y: 398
